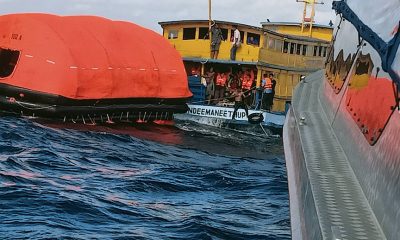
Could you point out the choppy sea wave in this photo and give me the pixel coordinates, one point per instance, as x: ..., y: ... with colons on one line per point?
x: 144, y: 182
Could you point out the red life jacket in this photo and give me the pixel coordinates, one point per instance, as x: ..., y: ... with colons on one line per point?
x: 268, y: 84
x: 221, y: 80
x: 247, y: 82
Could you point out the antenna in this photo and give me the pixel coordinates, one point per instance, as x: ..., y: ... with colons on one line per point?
x: 308, y: 16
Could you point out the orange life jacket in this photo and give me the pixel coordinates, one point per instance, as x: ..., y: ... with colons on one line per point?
x: 247, y: 82
x: 268, y: 84
x: 221, y: 80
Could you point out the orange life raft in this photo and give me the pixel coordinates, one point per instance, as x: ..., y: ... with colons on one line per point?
x: 75, y: 66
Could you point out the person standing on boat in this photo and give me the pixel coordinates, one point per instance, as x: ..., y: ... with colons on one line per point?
x: 235, y: 43
x: 267, y: 94
x: 271, y: 101
x: 210, y: 87
x: 239, y: 103
x: 247, y: 84
x: 220, y: 86
x: 216, y: 38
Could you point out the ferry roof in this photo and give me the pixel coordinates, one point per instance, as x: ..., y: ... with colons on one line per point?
x: 220, y: 61
x: 292, y: 69
x: 294, y: 37
x: 206, y: 21
x: 300, y: 38
x: 292, y: 24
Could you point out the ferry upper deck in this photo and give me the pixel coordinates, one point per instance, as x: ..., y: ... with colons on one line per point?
x: 191, y: 39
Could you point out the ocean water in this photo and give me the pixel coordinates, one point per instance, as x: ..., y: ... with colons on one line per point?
x: 145, y: 182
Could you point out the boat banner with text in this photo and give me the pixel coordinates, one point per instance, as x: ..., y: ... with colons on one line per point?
x: 227, y: 112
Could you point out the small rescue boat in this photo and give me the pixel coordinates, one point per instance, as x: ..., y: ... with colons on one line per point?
x: 86, y: 68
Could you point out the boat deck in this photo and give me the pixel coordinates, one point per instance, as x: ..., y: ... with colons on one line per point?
x: 341, y: 207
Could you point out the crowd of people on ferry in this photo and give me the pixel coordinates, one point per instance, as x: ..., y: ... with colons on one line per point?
x: 227, y: 87
x: 222, y: 86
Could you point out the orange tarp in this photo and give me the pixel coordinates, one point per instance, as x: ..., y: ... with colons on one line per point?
x: 86, y: 57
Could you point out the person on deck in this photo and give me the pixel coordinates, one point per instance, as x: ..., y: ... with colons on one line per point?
x: 232, y: 85
x: 220, y: 86
x: 271, y: 76
x: 235, y: 43
x: 248, y: 86
x: 210, y: 85
x: 267, y: 94
x: 216, y: 38
x: 239, y: 102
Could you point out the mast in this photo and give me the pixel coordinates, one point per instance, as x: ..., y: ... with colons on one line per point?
x: 209, y: 31
x: 308, y: 14
x: 209, y: 14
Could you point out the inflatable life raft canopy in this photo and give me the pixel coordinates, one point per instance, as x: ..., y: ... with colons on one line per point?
x: 53, y: 63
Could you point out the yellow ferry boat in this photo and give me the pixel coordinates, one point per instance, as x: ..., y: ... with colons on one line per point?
x: 286, y: 52
x: 289, y: 51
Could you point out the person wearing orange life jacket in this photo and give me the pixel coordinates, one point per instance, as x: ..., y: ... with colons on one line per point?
x: 233, y: 83
x: 267, y: 84
x: 247, y: 82
x: 220, y: 85
x: 247, y: 86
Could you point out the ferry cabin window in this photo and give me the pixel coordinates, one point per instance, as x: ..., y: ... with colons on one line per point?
x: 172, y: 34
x: 315, y: 51
x: 271, y: 43
x: 189, y: 33
x: 203, y: 33
x: 8, y: 61
x: 304, y: 53
x: 325, y: 51
x: 278, y: 45
x: 292, y: 48
x: 285, y: 47
x: 241, y: 36
x: 320, y: 51
x: 253, y: 39
x: 224, y: 33
x: 299, y: 49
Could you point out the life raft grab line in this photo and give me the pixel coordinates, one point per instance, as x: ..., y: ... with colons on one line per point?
x: 387, y: 51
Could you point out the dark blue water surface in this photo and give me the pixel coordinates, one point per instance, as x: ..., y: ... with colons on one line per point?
x: 146, y: 182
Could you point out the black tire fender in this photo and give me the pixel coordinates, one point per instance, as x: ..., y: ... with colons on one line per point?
x: 255, y: 118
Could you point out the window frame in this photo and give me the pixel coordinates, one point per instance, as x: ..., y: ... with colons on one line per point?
x: 185, y: 35
x: 174, y: 36
x: 205, y: 35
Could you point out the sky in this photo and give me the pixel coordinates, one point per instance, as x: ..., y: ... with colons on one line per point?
x: 148, y: 13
